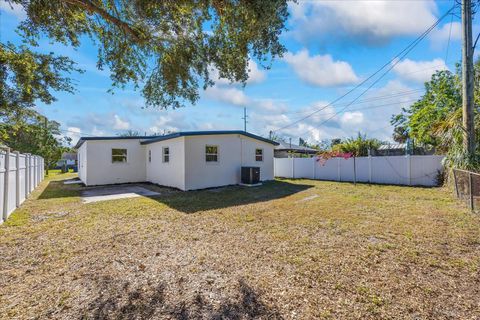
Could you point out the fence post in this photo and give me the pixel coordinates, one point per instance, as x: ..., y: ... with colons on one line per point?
x: 455, y: 182
x: 369, y: 168
x: 470, y: 184
x: 293, y: 168
x: 35, y: 176
x: 17, y: 179
x: 27, y: 172
x: 26, y: 175
x: 409, y: 169
x: 313, y: 161
x: 5, y: 185
x: 354, y: 171
x: 339, y: 175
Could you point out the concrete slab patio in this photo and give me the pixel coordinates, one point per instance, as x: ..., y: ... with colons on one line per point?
x: 115, y: 192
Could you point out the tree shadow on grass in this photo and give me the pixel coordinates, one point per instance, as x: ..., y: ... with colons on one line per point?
x: 231, y: 196
x: 191, y: 201
x: 56, y: 189
x: 118, y: 300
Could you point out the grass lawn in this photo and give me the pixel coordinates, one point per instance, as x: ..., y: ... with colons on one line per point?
x: 291, y: 249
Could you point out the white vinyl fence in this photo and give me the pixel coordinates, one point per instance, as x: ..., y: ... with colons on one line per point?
x: 19, y: 175
x: 399, y: 170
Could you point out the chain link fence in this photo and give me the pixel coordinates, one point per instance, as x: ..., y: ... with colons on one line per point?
x: 467, y: 187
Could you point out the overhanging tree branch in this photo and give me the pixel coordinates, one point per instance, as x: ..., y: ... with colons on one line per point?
x: 92, y: 8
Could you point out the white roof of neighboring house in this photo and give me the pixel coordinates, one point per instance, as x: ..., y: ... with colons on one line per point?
x: 392, y: 146
x: 294, y: 147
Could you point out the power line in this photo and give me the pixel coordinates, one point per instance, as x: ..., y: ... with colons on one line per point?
x: 398, y: 94
x: 392, y: 63
x: 449, y: 37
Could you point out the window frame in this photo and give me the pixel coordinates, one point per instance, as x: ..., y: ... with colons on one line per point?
x: 216, y: 154
x: 165, y: 154
x: 261, y: 155
x: 123, y: 156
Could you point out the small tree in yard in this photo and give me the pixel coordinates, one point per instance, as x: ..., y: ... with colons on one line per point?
x: 350, y: 148
x: 358, y: 146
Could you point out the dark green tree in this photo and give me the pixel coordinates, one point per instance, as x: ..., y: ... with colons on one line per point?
x: 30, y: 132
x: 27, y: 77
x: 436, y: 118
x: 168, y: 48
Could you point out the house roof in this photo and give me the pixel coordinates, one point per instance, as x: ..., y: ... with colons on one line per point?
x: 69, y: 155
x: 392, y: 146
x: 285, y: 146
x: 152, y: 139
x: 83, y: 139
x: 207, y: 133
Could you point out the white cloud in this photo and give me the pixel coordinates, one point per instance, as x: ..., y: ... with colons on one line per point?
x: 236, y: 97
x: 230, y: 95
x: 74, y: 133
x: 439, y: 36
x: 119, y: 124
x: 352, y: 118
x: 370, y: 115
x: 419, y: 71
x: 320, y: 70
x: 361, y: 20
x: 14, y: 9
x: 97, y: 132
x: 255, y: 75
x: 171, y: 121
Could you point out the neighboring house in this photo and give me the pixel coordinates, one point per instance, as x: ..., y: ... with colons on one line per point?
x: 184, y: 160
x: 68, y: 158
x: 400, y: 149
x: 290, y: 150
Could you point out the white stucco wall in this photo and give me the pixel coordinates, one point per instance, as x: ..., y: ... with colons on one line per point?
x: 82, y: 162
x: 100, y: 168
x: 187, y: 168
x: 248, y: 157
x: 234, y: 150
x: 172, y: 173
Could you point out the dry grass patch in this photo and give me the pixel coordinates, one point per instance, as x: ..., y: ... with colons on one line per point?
x: 291, y: 249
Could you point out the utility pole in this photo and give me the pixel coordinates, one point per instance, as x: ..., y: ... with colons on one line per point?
x: 245, y: 119
x: 467, y: 78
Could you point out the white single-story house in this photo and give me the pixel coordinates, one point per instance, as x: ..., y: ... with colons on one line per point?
x: 183, y: 160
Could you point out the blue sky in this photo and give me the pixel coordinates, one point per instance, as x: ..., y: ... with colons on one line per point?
x: 332, y: 46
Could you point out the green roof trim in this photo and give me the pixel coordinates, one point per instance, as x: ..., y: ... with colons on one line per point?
x: 208, y: 133
x: 153, y: 139
x: 83, y: 139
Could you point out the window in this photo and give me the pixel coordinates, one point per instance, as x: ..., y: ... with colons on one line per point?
x: 211, y: 153
x: 149, y: 155
x: 119, y: 155
x: 258, y: 154
x: 166, y: 154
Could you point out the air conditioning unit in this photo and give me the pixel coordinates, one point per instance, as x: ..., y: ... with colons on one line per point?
x: 250, y: 175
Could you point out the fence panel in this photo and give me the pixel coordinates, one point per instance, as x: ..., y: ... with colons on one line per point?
x: 303, y: 167
x: 325, y: 171
x: 467, y: 188
x: 19, y: 175
x: 399, y: 170
x: 363, y: 169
